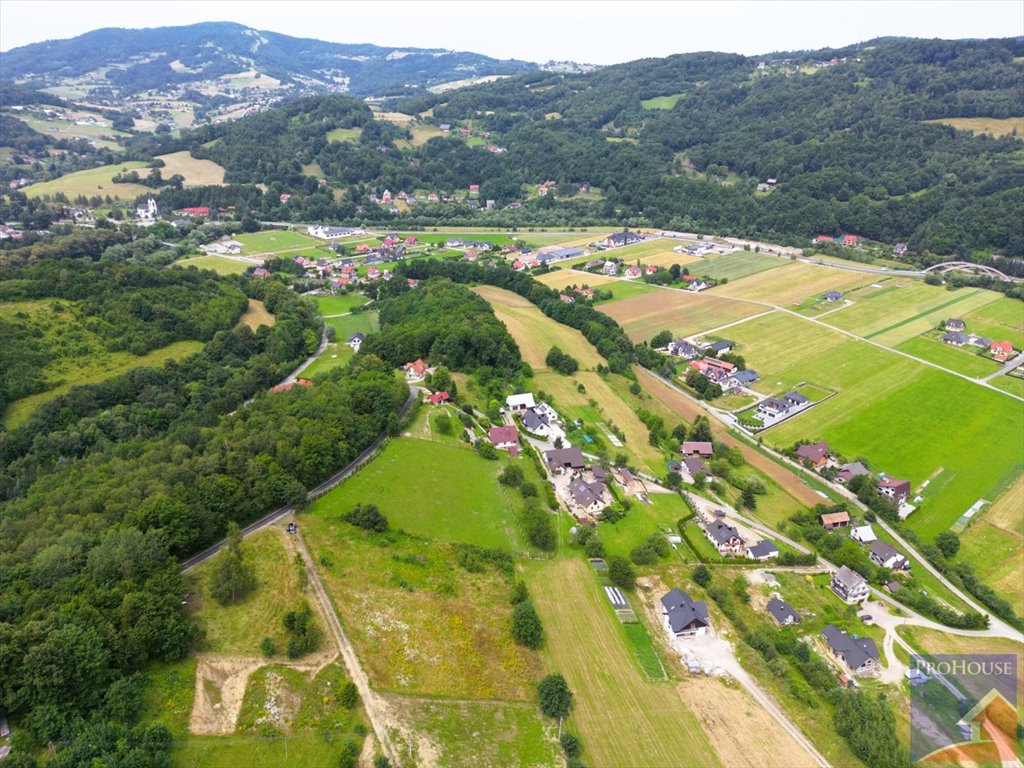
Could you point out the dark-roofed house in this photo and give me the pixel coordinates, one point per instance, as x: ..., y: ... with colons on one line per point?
x: 693, y: 465
x: 763, y: 550
x: 742, y: 379
x: 835, y: 520
x: 588, y: 496
x: 619, y: 239
x: 684, y: 349
x: 849, y: 585
x: 955, y: 324
x: 722, y: 347
x: 832, y: 296
x: 356, y: 340
x: 558, y: 254
x: 564, y: 460
x: 955, y: 339
x: 701, y: 448
x: 884, y: 554
x: 684, y: 617
x: 504, y: 439
x: 849, y: 471
x: 535, y: 423
x: 858, y: 654
x: 725, y: 538
x: 816, y: 454
x: 897, y: 490
x: 783, y: 613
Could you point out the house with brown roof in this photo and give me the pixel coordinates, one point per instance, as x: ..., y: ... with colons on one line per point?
x: 896, y: 490
x: 815, y: 454
x: 858, y: 654
x: 562, y: 460
x: 849, y: 585
x: 415, y: 370
x: 505, y: 438
x: 851, y: 470
x: 832, y: 520
x: 700, y: 448
x: 883, y: 554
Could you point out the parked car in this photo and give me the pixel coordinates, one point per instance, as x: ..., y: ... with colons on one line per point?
x: 292, y: 527
x: 867, y: 618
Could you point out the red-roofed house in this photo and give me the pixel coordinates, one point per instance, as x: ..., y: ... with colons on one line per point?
x: 1001, y: 350
x: 504, y: 439
x: 196, y: 212
x: 850, y: 240
x: 285, y: 198
x: 634, y: 272
x: 650, y: 269
x: 897, y: 490
x: 518, y: 266
x: 474, y: 189
x: 432, y: 197
x: 411, y: 282
x: 372, y: 273
x: 815, y: 453
x: 438, y: 397
x: 261, y: 273
x: 823, y: 239
x: 362, y: 248
x: 566, y: 299
x: 386, y: 197
x: 288, y: 385
x: 410, y: 240
x: 415, y: 370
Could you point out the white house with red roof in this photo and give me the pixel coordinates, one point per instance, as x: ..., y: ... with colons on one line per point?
x: 1001, y: 350
x: 415, y: 370
x: 504, y: 438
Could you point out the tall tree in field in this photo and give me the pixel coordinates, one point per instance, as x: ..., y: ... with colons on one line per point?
x: 232, y: 577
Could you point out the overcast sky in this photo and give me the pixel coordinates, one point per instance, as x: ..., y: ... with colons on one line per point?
x: 586, y: 31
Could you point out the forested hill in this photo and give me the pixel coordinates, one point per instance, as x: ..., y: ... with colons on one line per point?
x: 682, y: 143
x: 140, y: 59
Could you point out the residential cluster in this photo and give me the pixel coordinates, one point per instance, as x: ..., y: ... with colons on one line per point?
x: 956, y: 335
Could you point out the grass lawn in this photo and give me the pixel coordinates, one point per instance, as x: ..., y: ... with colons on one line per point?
x: 219, y: 264
x: 1002, y: 320
x: 239, y: 627
x: 620, y: 717
x: 344, y: 134
x: 256, y: 314
x: 535, y: 332
x: 170, y: 691
x: 1012, y: 384
x: 960, y: 359
x: 197, y: 173
x: 994, y: 543
x: 640, y: 643
x: 421, y: 134
x: 682, y: 312
x: 413, y: 483
x: 893, y: 411
x: 733, y: 266
x: 623, y: 289
x: 93, y: 181
x: 337, y: 305
x: 421, y: 624
x: 641, y: 521
x: 273, y: 240
x: 503, y: 733
x: 662, y: 102
x: 930, y: 641
x: 346, y: 325
x: 335, y: 356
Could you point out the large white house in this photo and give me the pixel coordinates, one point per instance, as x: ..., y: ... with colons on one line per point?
x: 519, y: 403
x: 850, y: 585
x: 683, y: 616
x: 333, y: 233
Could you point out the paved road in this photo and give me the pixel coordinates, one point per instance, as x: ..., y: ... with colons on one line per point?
x: 376, y: 710
x: 1015, y: 362
x: 320, y: 490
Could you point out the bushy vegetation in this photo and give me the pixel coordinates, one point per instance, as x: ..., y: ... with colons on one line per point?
x: 555, y: 696
x: 232, y: 578
x: 560, y: 361
x: 367, y: 516
x: 303, y: 633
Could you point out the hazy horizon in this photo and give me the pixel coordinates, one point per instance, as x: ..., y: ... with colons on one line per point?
x: 608, y: 33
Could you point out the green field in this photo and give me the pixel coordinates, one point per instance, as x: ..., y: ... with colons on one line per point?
x: 622, y: 289
x: 1012, y: 384
x: 273, y: 240
x: 411, y: 482
x: 681, y: 312
x: 733, y: 266
x: 344, y: 134
x: 1002, y: 320
x: 961, y: 359
x: 620, y: 716
x: 641, y: 521
x: 338, y: 305
x: 219, y: 264
x: 94, y: 181
x: 335, y: 356
x: 643, y: 649
x: 662, y: 102
x: 892, y: 410
x: 239, y: 627
x: 346, y: 325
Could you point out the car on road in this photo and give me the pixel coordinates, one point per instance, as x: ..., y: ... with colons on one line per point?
x: 292, y: 528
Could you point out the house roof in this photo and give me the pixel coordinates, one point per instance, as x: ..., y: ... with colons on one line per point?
x: 955, y: 338
x: 853, y: 469
x: 813, y: 452
x: 863, y: 533
x: 357, y: 336
x: 747, y: 376
x: 584, y: 493
x: 955, y: 322
x: 722, y: 532
x: 1001, y: 346
x: 848, y: 578
x: 832, y: 518
x: 856, y: 651
x: 559, y: 457
x: 763, y: 548
x: 695, y: 465
x: 506, y: 434
x: 683, y: 611
x: 896, y: 485
x: 795, y: 398
x: 832, y: 295
x: 704, y: 448
x: 418, y: 367
x: 720, y: 346
x: 884, y: 551
x: 533, y: 420
x: 523, y: 400
x: 781, y: 611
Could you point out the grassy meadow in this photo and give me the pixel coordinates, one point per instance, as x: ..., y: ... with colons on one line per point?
x: 993, y: 126
x: 273, y: 240
x: 681, y: 312
x: 256, y: 314
x: 961, y: 359
x: 994, y: 543
x: 346, y: 325
x: 197, y: 172
x: 219, y: 264
x: 792, y: 283
x: 344, y: 134
x: 662, y: 102
x: 1002, y: 319
x: 336, y: 355
x: 735, y: 265
x: 94, y: 181
x: 894, y: 411
x: 339, y: 305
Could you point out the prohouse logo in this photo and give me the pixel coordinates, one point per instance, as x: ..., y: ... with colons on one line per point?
x: 963, y: 710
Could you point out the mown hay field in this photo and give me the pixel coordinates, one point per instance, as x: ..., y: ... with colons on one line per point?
x: 197, y: 173
x: 994, y: 126
x: 681, y: 312
x: 219, y: 264
x: 791, y: 283
x: 256, y: 314
x: 94, y: 181
x: 994, y: 543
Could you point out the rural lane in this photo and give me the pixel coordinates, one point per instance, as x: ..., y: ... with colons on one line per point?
x: 376, y: 710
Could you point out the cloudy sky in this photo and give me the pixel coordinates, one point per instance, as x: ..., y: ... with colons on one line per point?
x: 598, y: 32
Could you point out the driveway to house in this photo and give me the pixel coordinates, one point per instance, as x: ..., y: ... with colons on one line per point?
x: 1015, y: 362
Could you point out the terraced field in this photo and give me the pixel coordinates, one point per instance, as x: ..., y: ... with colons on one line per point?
x: 681, y: 312
x: 894, y: 411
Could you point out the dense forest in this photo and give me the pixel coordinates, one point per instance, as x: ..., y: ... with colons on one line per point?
x: 104, y: 490
x: 847, y: 143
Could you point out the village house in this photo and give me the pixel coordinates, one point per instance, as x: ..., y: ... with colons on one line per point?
x: 823, y: 239
x: 832, y: 520
x: 385, y: 198
x: 725, y: 538
x: 850, y: 241
x: 504, y: 438
x: 195, y: 212
x: 589, y: 497
x: 564, y: 460
x: 896, y: 490
x: 620, y: 239
x: 610, y: 268
x: 741, y: 379
x: 684, y: 616
x: 260, y: 273
x: 716, y: 370
x: 684, y: 349
x: 633, y: 272
x: 954, y: 339
x: 883, y: 554
x: 783, y: 613
x: 519, y: 403
x: 851, y: 470
x: 772, y: 409
x: 697, y: 285
x: 763, y: 550
x: 849, y: 585
x: 1001, y: 350
x: 858, y: 654
x: 415, y: 370
x: 694, y: 466
x: 722, y: 347
x: 356, y: 341
x: 439, y: 398
x: 704, y: 449
x: 900, y: 249
x: 538, y: 422
x: 955, y: 324
x: 832, y: 296
x: 815, y: 454
x: 865, y: 534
